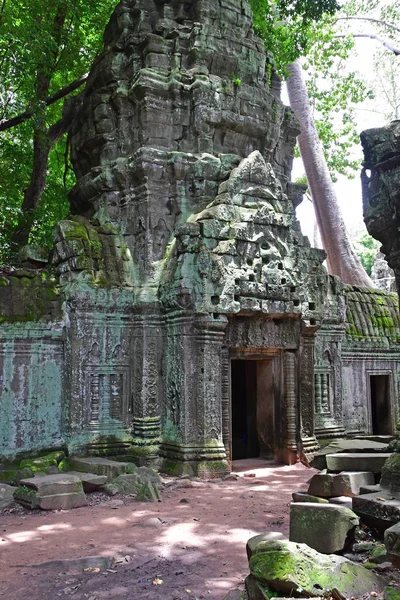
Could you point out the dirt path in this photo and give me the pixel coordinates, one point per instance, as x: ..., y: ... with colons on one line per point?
x: 197, y: 549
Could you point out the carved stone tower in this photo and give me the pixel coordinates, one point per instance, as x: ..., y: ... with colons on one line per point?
x: 185, y: 253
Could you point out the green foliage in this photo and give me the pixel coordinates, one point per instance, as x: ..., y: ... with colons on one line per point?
x: 32, y: 49
x: 367, y: 247
x: 287, y: 26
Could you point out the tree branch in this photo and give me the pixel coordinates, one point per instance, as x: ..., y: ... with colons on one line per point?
x: 27, y: 114
x: 386, y: 45
x: 379, y: 21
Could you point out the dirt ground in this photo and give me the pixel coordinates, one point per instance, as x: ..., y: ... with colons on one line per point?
x: 191, y: 545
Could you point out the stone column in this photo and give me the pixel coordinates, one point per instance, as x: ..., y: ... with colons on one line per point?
x: 146, y: 388
x: 307, y: 394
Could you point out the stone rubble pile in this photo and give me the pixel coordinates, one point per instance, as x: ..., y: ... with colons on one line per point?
x: 327, y: 550
x: 55, y: 482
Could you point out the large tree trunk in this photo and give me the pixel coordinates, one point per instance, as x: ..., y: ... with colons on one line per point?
x: 341, y: 258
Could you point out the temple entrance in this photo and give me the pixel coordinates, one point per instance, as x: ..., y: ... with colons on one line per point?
x: 252, y: 408
x: 380, y: 405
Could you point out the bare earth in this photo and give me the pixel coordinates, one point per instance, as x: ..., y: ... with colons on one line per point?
x: 196, y: 550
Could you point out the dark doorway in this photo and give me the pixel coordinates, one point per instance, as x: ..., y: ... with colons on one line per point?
x: 244, y: 409
x: 380, y: 405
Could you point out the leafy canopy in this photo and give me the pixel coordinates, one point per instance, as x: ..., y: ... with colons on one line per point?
x: 288, y: 26
x: 46, y: 41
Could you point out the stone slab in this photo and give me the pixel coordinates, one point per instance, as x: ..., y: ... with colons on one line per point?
x: 380, y: 510
x: 346, y: 483
x: 345, y: 445
x: 60, y: 501
x: 101, y: 466
x: 90, y: 481
x: 62, y: 483
x: 327, y: 528
x: 357, y: 461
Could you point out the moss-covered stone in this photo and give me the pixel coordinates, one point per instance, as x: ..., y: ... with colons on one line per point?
x: 391, y: 593
x: 42, y: 463
x: 291, y: 568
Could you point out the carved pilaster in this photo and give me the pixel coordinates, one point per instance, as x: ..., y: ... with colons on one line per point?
x: 226, y: 403
x: 306, y: 394
x: 192, y: 436
x: 147, y: 389
x: 289, y: 374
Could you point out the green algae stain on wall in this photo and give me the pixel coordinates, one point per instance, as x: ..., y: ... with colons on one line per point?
x: 31, y: 388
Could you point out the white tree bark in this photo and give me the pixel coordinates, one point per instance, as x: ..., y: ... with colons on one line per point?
x: 341, y: 258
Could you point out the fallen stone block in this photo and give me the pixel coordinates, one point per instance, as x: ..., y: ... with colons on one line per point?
x: 357, y: 461
x: 148, y: 493
x: 287, y: 567
x: 347, y: 483
x: 379, y: 510
x: 392, y: 544
x: 90, y: 481
x: 327, y: 528
x: 345, y: 445
x: 271, y: 536
x: 378, y: 555
x: 6, y: 495
x: 304, y: 497
x: 101, y: 466
x: 51, y: 492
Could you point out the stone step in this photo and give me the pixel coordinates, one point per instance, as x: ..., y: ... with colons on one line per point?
x: 357, y: 461
x: 51, y: 492
x: 90, y: 481
x: 379, y: 510
x: 101, y: 466
x: 347, y: 445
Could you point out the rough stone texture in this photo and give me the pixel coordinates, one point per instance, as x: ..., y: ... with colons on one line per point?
x: 6, y: 495
x: 382, y: 275
x: 327, y: 528
x: 392, y: 544
x: 391, y: 474
x: 380, y: 510
x: 90, y: 481
x: 257, y: 590
x: 271, y: 536
x: 357, y: 461
x: 343, y: 484
x: 51, y: 492
x: 101, y: 466
x: 287, y: 566
x: 345, y: 445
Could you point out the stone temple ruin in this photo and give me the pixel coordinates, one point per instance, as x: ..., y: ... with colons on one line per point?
x: 183, y: 319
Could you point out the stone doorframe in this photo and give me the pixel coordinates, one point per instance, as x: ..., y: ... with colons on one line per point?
x: 229, y: 354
